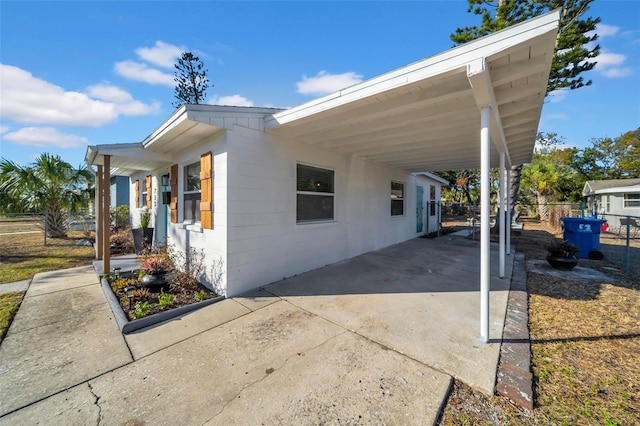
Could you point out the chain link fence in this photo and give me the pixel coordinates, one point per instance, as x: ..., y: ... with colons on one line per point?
x: 15, y: 227
x: 619, y: 236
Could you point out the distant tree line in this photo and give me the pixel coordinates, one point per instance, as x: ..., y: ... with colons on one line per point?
x: 557, y: 173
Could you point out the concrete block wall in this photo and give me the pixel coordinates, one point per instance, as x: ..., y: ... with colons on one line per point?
x: 266, y: 244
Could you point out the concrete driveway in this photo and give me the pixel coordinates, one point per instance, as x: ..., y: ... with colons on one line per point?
x: 372, y: 340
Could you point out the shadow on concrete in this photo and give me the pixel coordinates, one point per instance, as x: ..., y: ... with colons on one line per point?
x: 444, y: 264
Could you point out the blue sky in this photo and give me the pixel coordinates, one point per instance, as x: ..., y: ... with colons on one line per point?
x: 83, y: 73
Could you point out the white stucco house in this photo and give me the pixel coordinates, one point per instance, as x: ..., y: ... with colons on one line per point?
x: 276, y: 192
x: 620, y: 197
x: 274, y: 207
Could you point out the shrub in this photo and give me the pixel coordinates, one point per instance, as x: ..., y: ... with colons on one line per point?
x: 122, y: 282
x: 563, y: 248
x: 121, y: 237
x: 119, y: 216
x: 157, y: 263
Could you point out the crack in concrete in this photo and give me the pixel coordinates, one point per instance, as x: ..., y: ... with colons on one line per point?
x: 247, y: 386
x: 96, y: 402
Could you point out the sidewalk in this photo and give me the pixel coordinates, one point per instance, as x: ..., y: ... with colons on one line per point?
x: 324, y: 347
x: 18, y: 286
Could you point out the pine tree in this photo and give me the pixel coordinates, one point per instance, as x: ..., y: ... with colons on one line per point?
x: 191, y: 80
x: 573, y: 54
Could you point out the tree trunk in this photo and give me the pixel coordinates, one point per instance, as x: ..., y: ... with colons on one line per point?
x: 514, y: 174
x: 543, y: 209
x: 55, y: 224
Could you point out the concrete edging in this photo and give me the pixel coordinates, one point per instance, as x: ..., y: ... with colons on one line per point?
x: 127, y: 326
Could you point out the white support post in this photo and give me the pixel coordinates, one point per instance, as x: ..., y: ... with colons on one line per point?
x: 508, y: 197
x: 485, y: 200
x: 501, y: 217
x: 106, y: 221
x: 98, y: 209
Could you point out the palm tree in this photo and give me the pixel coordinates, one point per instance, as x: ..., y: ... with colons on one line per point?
x: 48, y: 185
x: 543, y: 178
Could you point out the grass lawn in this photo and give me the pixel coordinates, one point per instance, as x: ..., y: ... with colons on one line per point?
x: 585, y: 341
x: 9, y: 304
x: 22, y: 255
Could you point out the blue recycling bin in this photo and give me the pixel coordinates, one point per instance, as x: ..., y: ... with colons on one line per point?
x: 584, y: 233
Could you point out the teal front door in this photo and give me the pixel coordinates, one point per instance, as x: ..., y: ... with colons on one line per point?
x: 419, y: 209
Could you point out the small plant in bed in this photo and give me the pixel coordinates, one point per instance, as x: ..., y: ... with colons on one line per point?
x: 182, y: 271
x: 562, y: 255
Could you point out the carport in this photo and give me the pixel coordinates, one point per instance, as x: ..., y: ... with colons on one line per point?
x: 475, y: 106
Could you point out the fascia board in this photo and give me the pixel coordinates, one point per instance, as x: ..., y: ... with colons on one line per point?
x: 434, y: 177
x: 178, y: 116
x: 617, y: 190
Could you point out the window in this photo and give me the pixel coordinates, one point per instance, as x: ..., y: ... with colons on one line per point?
x: 432, y: 197
x: 631, y: 200
x: 192, y: 192
x: 397, y: 199
x: 314, y: 194
x: 605, y: 204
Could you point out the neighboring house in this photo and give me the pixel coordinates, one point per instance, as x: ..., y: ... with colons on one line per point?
x: 613, y: 197
x: 274, y: 193
x: 119, y: 191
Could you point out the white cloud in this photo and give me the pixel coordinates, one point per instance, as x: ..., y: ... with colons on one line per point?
x: 617, y: 72
x: 233, y: 100
x: 604, y: 30
x: 4, y: 129
x: 123, y: 101
x: 139, y: 71
x: 162, y: 54
x: 324, y: 83
x: 28, y: 99
x: 608, y: 58
x: 31, y: 100
x: 45, y: 137
x: 609, y: 65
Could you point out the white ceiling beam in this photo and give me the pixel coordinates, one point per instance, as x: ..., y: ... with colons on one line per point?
x: 416, y: 139
x: 515, y: 71
x: 379, y: 108
x: 348, y: 130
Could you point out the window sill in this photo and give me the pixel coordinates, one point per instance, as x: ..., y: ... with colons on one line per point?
x: 317, y: 223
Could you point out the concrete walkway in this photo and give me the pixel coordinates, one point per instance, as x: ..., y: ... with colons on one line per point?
x: 372, y: 340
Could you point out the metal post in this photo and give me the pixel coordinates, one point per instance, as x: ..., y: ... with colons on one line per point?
x: 501, y: 223
x: 485, y: 201
x: 507, y: 177
x: 627, y: 259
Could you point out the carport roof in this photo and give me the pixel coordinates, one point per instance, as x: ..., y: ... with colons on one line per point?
x: 426, y: 116
x: 421, y: 117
